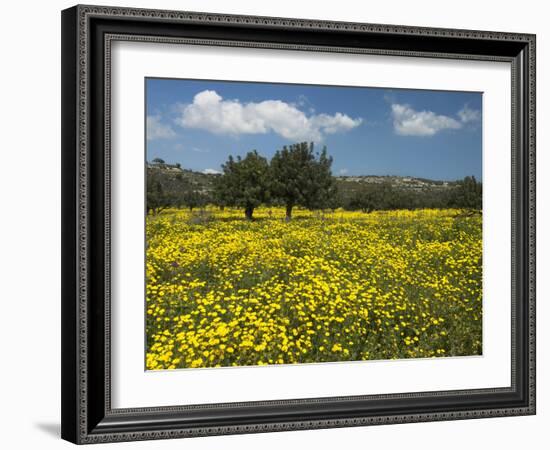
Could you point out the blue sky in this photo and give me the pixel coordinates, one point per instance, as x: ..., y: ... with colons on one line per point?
x: 367, y: 131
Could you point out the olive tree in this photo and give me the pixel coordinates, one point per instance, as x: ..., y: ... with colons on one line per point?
x: 244, y: 182
x: 299, y: 176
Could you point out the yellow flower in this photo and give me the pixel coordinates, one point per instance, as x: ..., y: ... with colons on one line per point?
x: 379, y: 285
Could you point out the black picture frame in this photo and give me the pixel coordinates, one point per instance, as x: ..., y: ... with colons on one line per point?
x: 87, y: 416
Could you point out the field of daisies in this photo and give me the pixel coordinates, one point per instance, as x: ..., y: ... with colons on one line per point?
x: 338, y: 286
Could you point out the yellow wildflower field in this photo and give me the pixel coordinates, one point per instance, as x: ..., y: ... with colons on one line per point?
x: 338, y: 286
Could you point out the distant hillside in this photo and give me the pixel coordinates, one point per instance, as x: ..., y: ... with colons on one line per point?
x: 174, y: 178
x: 183, y: 187
x: 411, y: 183
x: 201, y: 182
x: 371, y: 192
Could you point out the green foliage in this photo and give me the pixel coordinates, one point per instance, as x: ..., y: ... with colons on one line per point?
x: 193, y: 199
x: 468, y: 194
x: 372, y: 197
x: 244, y: 182
x: 300, y: 177
x: 157, y: 198
x: 368, y: 197
x: 167, y: 187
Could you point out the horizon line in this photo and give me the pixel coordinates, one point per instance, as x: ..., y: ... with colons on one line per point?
x: 388, y: 175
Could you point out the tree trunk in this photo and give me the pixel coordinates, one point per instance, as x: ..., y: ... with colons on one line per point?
x: 249, y: 210
x: 289, y: 207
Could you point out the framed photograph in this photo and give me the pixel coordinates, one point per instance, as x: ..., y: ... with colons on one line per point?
x: 278, y: 224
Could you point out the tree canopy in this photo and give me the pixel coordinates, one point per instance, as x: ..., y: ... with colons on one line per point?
x: 157, y: 197
x: 298, y: 176
x: 468, y: 194
x: 244, y: 182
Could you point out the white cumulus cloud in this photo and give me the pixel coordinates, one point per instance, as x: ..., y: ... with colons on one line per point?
x: 211, y: 171
x: 158, y: 130
x: 408, y: 122
x: 468, y: 114
x: 209, y: 111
